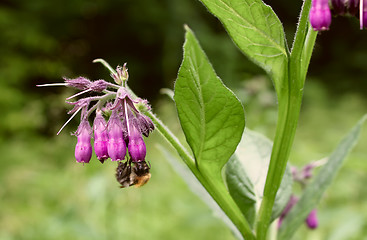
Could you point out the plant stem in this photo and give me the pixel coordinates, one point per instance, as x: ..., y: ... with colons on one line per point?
x: 108, y: 66
x: 220, y: 194
x: 307, y: 50
x: 290, y: 100
x: 286, y: 127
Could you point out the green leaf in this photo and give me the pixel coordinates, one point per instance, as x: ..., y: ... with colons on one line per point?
x: 314, y: 191
x: 241, y: 188
x: 246, y: 174
x: 256, y: 30
x: 212, y: 119
x: 211, y: 116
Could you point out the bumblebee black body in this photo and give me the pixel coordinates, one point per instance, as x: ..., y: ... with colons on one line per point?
x: 138, y: 174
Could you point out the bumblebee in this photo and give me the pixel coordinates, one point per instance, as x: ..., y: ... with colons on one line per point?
x: 141, y: 174
x: 132, y: 173
x: 123, y: 172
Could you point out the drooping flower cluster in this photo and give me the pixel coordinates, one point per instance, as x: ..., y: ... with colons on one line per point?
x: 302, y: 177
x: 119, y: 136
x: 311, y: 220
x: 322, y: 10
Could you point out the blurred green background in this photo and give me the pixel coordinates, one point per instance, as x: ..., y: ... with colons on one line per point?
x: 44, y: 194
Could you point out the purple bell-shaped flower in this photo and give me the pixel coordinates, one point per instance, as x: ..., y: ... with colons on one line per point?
x: 136, y: 145
x: 100, y: 137
x: 320, y: 15
x: 116, y: 145
x: 83, y: 148
x: 312, y: 221
x: 363, y: 13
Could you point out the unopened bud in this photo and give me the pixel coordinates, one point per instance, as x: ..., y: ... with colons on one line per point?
x: 320, y: 15
x: 121, y: 75
x: 116, y: 145
x: 363, y: 13
x: 98, y: 85
x: 83, y: 148
x: 307, y: 171
x: 312, y: 221
x: 136, y: 146
x: 81, y: 83
x: 291, y: 202
x: 100, y: 137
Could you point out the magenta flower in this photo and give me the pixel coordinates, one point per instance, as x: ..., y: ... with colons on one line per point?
x: 100, y: 137
x: 116, y: 145
x: 83, y: 148
x: 363, y: 13
x: 291, y: 202
x: 320, y: 15
x: 312, y: 221
x: 136, y: 146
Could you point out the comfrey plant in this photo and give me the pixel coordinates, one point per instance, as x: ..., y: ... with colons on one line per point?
x: 246, y: 174
x: 124, y: 130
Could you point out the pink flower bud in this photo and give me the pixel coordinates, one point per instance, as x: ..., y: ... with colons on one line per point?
x: 122, y: 74
x: 307, y: 171
x: 116, y: 145
x: 100, y: 137
x: 98, y: 85
x: 81, y: 83
x: 83, y: 148
x: 320, y: 15
x: 291, y: 202
x: 363, y: 13
x: 136, y: 146
x: 311, y: 220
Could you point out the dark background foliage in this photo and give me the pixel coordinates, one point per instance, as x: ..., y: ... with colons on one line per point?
x: 44, y: 40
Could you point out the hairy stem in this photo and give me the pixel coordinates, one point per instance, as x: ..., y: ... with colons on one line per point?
x: 290, y: 101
